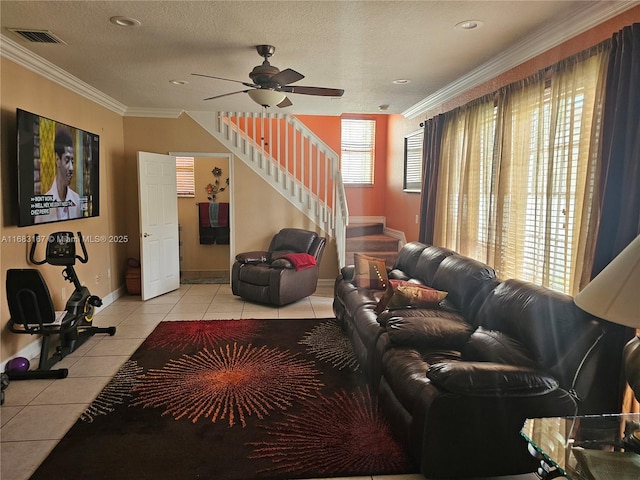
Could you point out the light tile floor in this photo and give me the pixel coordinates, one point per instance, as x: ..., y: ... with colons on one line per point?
x: 37, y: 413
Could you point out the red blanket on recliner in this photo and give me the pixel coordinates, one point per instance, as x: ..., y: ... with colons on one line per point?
x: 300, y: 260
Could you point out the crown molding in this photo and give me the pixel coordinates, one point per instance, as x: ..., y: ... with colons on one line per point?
x: 528, y: 48
x: 153, y: 112
x: 29, y: 60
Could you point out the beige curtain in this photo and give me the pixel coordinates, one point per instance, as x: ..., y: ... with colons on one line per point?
x: 519, y: 171
x: 462, y: 218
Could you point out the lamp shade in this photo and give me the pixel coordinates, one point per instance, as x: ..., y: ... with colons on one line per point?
x: 614, y: 294
x: 266, y: 97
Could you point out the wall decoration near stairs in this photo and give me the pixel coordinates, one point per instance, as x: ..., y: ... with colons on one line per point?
x: 213, y: 189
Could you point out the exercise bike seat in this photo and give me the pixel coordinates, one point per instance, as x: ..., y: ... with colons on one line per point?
x: 30, y: 304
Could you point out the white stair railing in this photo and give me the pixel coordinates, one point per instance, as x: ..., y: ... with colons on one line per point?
x: 292, y: 159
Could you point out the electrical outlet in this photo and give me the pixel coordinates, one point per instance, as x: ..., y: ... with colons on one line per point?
x: 416, y: 218
x: 108, y: 272
x: 98, y: 278
x: 63, y: 294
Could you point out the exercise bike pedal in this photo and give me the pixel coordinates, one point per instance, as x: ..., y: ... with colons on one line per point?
x: 94, y: 300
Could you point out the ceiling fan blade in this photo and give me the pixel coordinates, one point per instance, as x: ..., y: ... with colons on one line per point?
x: 285, y: 77
x: 246, y: 84
x: 285, y: 103
x: 226, y: 94
x: 320, y: 91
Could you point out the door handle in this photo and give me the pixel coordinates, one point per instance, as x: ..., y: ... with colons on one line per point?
x: 145, y: 234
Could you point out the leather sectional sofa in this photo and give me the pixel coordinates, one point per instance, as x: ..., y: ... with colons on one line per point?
x: 457, y: 379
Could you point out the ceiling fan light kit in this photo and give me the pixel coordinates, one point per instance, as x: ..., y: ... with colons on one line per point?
x: 266, y: 97
x: 270, y: 83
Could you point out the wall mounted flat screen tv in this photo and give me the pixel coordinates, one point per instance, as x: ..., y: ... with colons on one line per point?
x: 58, y: 171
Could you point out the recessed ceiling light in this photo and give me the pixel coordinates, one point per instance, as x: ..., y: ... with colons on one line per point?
x: 178, y: 82
x: 469, y: 25
x: 125, y: 21
x: 401, y: 81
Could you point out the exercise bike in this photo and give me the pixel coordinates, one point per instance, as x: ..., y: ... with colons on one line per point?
x: 31, y: 307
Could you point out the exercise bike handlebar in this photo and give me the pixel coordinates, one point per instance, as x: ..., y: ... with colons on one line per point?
x: 85, y: 255
x: 32, y: 252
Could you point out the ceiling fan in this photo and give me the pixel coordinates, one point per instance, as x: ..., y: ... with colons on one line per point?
x: 270, y: 85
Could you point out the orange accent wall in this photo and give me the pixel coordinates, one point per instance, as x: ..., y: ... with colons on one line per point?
x: 361, y: 201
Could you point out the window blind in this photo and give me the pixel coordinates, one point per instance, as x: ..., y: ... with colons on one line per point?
x: 413, y: 144
x: 357, y: 150
x: 185, y: 182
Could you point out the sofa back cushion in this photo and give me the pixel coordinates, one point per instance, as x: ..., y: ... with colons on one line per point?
x: 557, y: 334
x: 467, y: 282
x: 429, y: 261
x: 292, y: 240
x: 406, y: 263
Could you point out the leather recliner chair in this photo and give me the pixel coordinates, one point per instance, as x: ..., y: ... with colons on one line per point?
x: 285, y: 273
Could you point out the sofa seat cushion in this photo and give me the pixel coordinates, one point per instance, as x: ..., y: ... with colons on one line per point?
x: 493, y: 346
x: 491, y: 379
x: 435, y: 329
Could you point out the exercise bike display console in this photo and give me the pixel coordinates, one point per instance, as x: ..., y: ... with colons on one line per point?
x: 31, y: 306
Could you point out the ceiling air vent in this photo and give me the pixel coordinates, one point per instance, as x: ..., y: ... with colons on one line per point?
x: 37, y: 36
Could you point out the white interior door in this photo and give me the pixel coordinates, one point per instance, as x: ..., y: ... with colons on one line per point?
x: 158, y: 213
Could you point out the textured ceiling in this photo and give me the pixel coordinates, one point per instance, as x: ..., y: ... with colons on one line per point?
x: 360, y: 46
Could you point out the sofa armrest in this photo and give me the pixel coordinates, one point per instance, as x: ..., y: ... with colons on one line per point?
x: 491, y: 379
x: 253, y: 257
x: 348, y: 273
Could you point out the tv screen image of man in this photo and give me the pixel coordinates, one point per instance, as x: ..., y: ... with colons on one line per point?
x: 63, y: 201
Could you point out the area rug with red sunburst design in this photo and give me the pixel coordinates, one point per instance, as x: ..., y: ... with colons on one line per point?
x: 233, y: 400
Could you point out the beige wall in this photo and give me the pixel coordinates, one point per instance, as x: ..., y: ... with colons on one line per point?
x: 257, y: 211
x: 21, y: 88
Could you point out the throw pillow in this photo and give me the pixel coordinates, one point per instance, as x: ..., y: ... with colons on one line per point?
x: 388, y: 293
x: 371, y: 272
x: 419, y: 296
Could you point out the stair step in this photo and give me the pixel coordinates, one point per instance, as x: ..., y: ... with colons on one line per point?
x: 361, y: 229
x: 370, y: 240
x: 372, y: 243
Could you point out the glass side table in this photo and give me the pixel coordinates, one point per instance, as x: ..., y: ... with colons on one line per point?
x: 597, y: 447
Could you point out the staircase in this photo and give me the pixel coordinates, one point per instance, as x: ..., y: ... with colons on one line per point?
x: 370, y: 239
x: 290, y: 158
